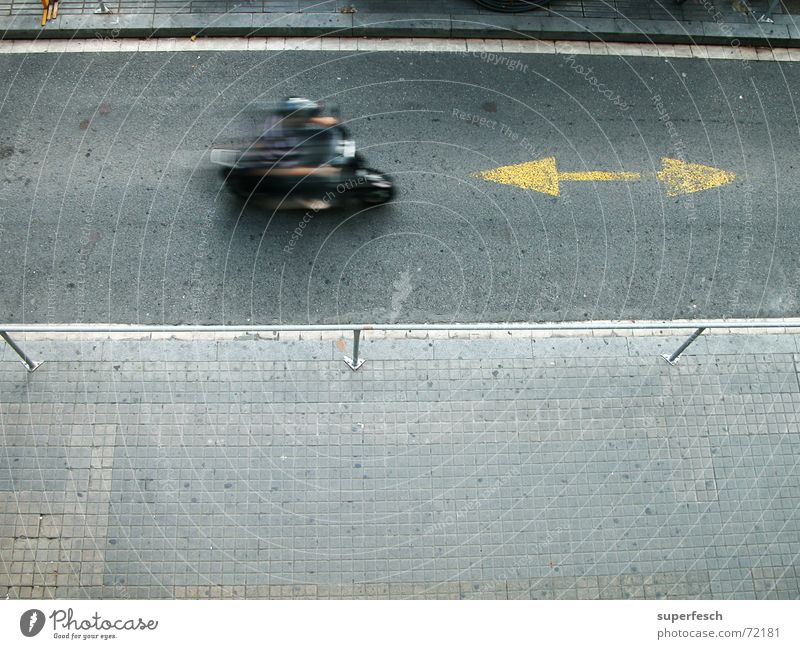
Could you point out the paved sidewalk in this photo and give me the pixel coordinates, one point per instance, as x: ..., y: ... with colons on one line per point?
x: 708, y: 22
x: 511, y: 467
x: 647, y: 9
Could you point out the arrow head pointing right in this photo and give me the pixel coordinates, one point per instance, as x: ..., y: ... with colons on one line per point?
x: 681, y: 177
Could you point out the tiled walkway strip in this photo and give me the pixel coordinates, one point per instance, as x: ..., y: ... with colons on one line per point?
x: 500, y: 467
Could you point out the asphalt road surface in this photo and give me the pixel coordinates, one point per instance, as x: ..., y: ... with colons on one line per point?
x: 110, y: 211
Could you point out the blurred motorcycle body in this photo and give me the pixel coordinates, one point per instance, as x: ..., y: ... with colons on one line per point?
x: 302, y: 162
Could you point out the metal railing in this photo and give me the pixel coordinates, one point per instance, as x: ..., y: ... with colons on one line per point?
x: 355, y: 362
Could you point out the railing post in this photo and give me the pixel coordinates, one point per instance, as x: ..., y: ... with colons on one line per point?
x: 26, y: 360
x: 673, y: 358
x: 354, y: 363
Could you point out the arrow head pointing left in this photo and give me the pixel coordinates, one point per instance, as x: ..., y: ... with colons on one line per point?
x: 538, y: 175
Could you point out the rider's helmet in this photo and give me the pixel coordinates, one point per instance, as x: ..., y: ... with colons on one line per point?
x: 300, y: 108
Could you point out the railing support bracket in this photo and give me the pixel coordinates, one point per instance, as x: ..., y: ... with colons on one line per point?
x: 355, y: 362
x: 26, y: 360
x: 672, y: 359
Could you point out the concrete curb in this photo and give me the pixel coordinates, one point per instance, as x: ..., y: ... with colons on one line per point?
x: 780, y: 33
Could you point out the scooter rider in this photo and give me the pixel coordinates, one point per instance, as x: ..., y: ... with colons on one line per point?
x: 295, y: 148
x: 296, y: 138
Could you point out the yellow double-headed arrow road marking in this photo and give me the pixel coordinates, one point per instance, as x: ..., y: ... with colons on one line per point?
x: 677, y: 176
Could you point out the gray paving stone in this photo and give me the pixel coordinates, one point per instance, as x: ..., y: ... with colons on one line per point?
x: 751, y: 344
x: 137, y: 25
x: 747, y: 34
x: 56, y: 351
x: 389, y: 349
x: 158, y: 350
x: 183, y: 24
x: 269, y: 350
x: 571, y: 347
x: 487, y: 349
x: 659, y: 31
x: 299, y: 24
x: 394, y: 25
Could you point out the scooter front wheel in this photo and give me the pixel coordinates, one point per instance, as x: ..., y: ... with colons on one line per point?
x: 378, y: 188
